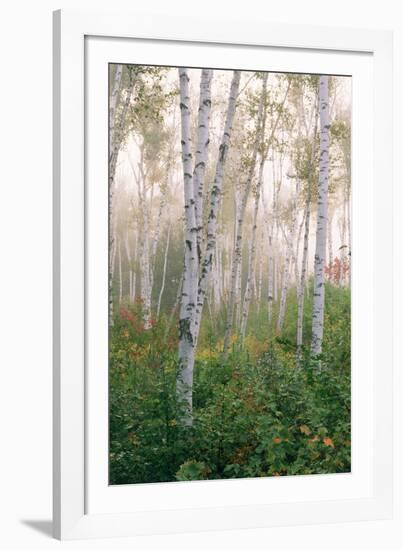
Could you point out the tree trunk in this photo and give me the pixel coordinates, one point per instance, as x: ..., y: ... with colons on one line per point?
x: 120, y: 273
x: 237, y: 259
x: 330, y: 246
x: 287, y: 266
x: 301, y: 286
x: 260, y: 277
x: 145, y: 264
x: 164, y: 272
x: 184, y: 383
x: 321, y: 228
x: 129, y: 262
x: 113, y: 102
x: 215, y: 201
x: 304, y: 264
x: 116, y: 129
x: 252, y: 251
x: 201, y: 155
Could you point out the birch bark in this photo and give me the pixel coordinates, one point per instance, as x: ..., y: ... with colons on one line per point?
x: 252, y: 250
x: 239, y: 228
x: 129, y: 261
x: 202, y: 152
x: 287, y: 266
x: 116, y: 129
x: 120, y: 273
x: 145, y: 280
x: 330, y: 245
x: 186, y: 350
x: 321, y: 228
x: 164, y: 271
x: 215, y: 201
x: 304, y: 264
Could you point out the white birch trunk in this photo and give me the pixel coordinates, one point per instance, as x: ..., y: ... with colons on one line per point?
x: 184, y: 385
x: 270, y: 285
x: 287, y: 266
x: 215, y: 201
x: 301, y: 286
x: 113, y: 101
x: 129, y: 262
x: 260, y: 279
x: 284, y: 290
x: 321, y: 228
x: 237, y: 261
x: 330, y: 246
x: 116, y: 129
x: 164, y: 271
x: 201, y: 154
x: 145, y: 266
x: 304, y: 265
x: 252, y: 249
x: 133, y: 295
x: 120, y: 273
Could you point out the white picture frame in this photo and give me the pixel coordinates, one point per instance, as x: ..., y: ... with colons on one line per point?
x: 77, y: 484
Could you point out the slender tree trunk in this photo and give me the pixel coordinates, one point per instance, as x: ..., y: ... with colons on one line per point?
x: 193, y: 195
x: 297, y: 247
x: 287, y: 266
x: 184, y: 385
x: 304, y: 265
x: 129, y: 262
x: 260, y: 278
x: 270, y: 284
x: 145, y: 263
x: 215, y: 201
x: 156, y: 238
x: 174, y: 308
x: 321, y: 228
x: 114, y: 97
x: 133, y: 295
x: 301, y: 286
x: 330, y: 246
x: 252, y: 250
x: 216, y: 280
x: 116, y: 131
x: 269, y: 223
x: 201, y: 155
x: 120, y: 273
x: 237, y: 261
x: 164, y: 271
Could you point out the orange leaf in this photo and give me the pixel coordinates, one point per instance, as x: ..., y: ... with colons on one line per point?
x: 328, y: 442
x: 277, y: 440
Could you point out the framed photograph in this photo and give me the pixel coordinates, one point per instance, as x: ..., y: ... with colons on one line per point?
x: 222, y: 293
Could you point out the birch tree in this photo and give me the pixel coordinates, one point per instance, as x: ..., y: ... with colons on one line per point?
x: 164, y: 271
x: 239, y: 227
x: 252, y: 248
x: 287, y: 264
x: 321, y: 227
x: 215, y: 200
x: 307, y: 217
x: 184, y: 384
x: 194, y: 289
x: 202, y: 152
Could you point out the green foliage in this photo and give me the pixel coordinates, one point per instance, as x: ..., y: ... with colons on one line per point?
x: 191, y: 471
x: 260, y: 413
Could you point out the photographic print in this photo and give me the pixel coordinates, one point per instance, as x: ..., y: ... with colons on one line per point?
x: 229, y: 274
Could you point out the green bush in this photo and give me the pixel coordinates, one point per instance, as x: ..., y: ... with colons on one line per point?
x: 260, y: 413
